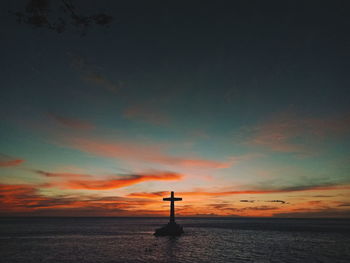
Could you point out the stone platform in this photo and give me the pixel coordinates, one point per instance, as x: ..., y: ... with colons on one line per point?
x: 170, y: 229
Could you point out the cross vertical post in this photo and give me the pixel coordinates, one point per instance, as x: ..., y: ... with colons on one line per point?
x: 172, y: 208
x: 172, y: 200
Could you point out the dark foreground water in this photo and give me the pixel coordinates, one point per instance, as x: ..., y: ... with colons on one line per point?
x: 206, y: 240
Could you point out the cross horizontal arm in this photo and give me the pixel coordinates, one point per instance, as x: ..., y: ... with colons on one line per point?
x: 172, y: 199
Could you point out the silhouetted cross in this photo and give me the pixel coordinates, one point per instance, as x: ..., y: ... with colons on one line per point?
x: 172, y: 199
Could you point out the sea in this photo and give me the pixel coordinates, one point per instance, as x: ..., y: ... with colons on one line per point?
x: 108, y: 239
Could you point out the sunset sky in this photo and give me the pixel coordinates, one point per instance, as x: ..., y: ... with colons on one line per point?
x: 240, y: 107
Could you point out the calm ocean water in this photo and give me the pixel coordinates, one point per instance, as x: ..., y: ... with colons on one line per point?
x: 206, y: 240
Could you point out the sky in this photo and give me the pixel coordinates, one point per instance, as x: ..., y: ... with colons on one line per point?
x: 240, y: 107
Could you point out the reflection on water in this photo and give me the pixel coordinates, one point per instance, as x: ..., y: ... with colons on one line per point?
x: 205, y: 240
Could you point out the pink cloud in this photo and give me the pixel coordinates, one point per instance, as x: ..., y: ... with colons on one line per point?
x: 278, y: 133
x: 11, y: 163
x: 139, y: 152
x: 7, y: 161
x: 71, y: 122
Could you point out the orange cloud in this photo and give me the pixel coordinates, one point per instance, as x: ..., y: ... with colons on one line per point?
x: 149, y: 195
x: 139, y: 152
x: 25, y: 199
x: 82, y: 181
x: 71, y: 123
x: 118, y: 183
x: 13, y: 196
x: 7, y: 161
x: 17, y: 189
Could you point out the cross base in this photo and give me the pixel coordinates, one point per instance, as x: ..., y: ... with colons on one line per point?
x: 170, y: 229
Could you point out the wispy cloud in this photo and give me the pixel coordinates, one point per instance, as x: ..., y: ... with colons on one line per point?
x: 149, y: 195
x: 71, y: 122
x: 255, y: 208
x: 90, y: 182
x: 276, y: 201
x: 323, y: 196
x: 142, y: 152
x: 344, y: 204
x: 281, y: 132
x: 8, y: 161
x: 92, y: 75
x: 267, y: 201
x: 247, y: 201
x: 100, y: 80
x: 146, y: 114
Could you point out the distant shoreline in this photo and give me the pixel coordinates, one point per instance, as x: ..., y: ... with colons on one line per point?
x: 178, y: 218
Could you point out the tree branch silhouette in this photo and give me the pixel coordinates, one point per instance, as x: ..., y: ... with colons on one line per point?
x: 41, y: 14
